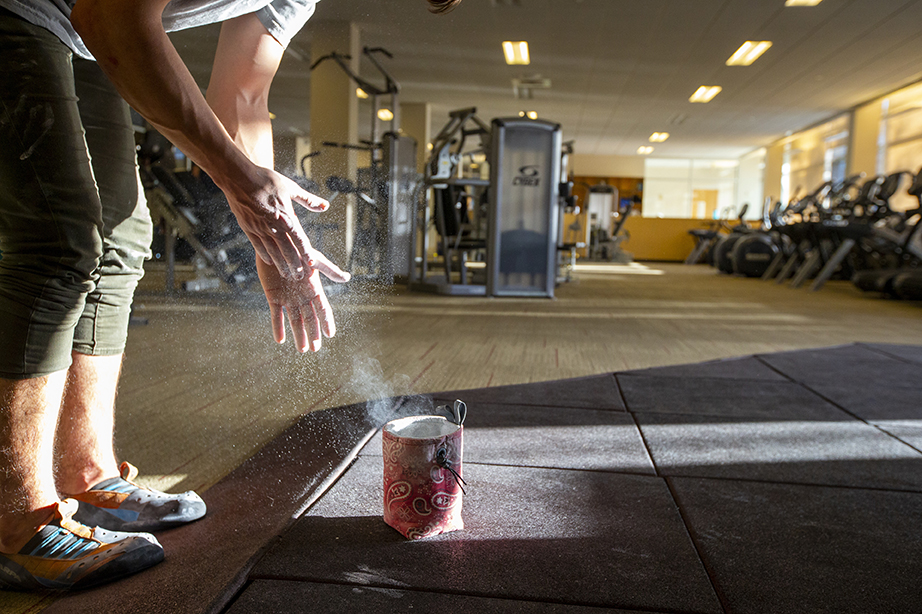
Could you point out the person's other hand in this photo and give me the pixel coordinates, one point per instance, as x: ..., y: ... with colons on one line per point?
x: 265, y: 212
x: 304, y: 301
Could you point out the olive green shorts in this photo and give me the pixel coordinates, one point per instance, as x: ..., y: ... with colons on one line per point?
x: 74, y: 224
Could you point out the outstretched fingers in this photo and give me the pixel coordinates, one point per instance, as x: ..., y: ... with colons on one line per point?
x: 280, y: 260
x: 314, y: 326
x: 318, y: 261
x: 261, y: 250
x: 309, y: 201
x: 298, y: 333
x: 324, y: 314
x: 277, y: 316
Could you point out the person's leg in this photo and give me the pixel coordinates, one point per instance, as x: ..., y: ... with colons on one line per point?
x: 84, y: 447
x: 86, y: 464
x: 27, y: 421
x: 85, y: 454
x: 50, y: 245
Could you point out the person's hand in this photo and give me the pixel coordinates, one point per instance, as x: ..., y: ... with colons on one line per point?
x: 265, y: 212
x: 304, y: 301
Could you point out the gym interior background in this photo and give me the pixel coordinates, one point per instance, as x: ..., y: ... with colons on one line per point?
x: 359, y: 104
x: 837, y: 94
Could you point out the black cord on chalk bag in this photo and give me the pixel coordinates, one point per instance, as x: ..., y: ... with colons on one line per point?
x: 442, y: 460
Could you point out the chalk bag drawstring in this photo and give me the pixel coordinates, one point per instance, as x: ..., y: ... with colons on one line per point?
x: 442, y: 460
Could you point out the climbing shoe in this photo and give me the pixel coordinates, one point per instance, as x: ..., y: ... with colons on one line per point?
x: 119, y: 504
x: 65, y: 554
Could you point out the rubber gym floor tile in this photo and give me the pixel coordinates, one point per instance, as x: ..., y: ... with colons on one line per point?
x: 559, y: 438
x: 905, y: 352
x: 288, y: 597
x: 748, y: 368
x: 910, y: 435
x: 571, y: 537
x: 788, y: 548
x: 876, y: 404
x: 840, y: 453
x: 206, y: 561
x: 596, y: 392
x: 844, y: 365
x: 719, y: 397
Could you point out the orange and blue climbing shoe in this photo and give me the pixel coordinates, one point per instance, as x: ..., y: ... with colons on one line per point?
x: 65, y: 555
x: 119, y: 504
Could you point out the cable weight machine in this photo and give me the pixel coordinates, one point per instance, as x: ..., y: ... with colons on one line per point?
x: 386, y: 189
x: 506, y: 222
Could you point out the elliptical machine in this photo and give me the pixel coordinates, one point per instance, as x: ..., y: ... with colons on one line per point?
x: 722, y: 252
x: 754, y: 251
x: 903, y: 278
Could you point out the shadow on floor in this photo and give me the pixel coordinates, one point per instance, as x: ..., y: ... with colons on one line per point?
x: 788, y: 482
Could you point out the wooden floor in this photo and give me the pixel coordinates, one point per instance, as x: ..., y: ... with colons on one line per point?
x: 204, y: 386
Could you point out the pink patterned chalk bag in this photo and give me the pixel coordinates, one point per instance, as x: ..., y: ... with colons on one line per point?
x: 423, y: 486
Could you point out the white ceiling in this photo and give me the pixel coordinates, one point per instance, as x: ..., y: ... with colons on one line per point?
x: 623, y: 69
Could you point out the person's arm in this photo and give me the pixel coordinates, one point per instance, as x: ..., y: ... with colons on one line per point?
x: 246, y: 61
x: 129, y: 43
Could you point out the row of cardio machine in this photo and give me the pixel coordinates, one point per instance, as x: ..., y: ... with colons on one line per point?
x: 841, y: 230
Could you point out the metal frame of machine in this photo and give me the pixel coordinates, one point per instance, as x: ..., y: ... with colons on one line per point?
x: 522, y: 251
x: 510, y: 216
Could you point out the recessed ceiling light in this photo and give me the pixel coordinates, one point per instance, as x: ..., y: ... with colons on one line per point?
x: 516, y: 52
x: 645, y: 150
x: 361, y: 93
x: 659, y: 137
x: 748, y: 53
x: 802, y: 2
x: 385, y: 115
x: 705, y: 93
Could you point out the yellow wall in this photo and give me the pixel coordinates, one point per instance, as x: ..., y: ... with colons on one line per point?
x: 865, y: 130
x: 660, y: 238
x: 416, y: 121
x: 774, y: 158
x: 606, y: 166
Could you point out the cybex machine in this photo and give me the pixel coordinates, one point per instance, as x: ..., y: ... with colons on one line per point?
x: 497, y: 230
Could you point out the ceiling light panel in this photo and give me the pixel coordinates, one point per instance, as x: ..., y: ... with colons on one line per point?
x: 645, y: 150
x: 659, y: 137
x: 749, y: 52
x: 802, y: 2
x: 516, y: 53
x: 705, y: 93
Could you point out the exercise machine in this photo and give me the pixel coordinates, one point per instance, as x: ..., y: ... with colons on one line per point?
x: 193, y: 222
x: 505, y: 221
x: 525, y: 177
x: 386, y: 191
